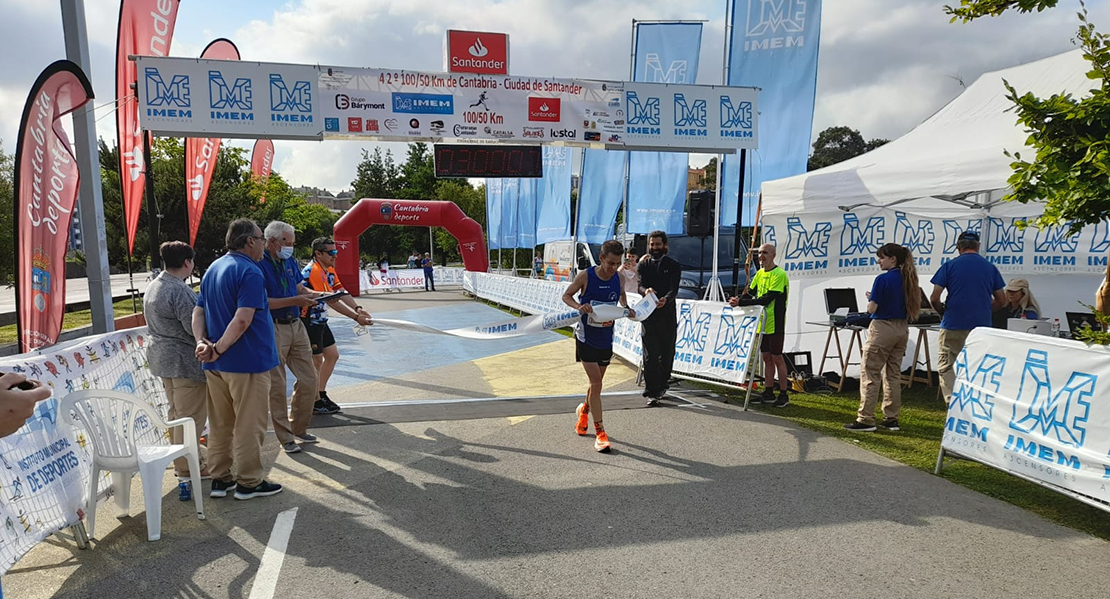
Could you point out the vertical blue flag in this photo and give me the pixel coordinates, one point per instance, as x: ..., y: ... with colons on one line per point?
x: 553, y: 205
x: 600, y: 195
x: 526, y: 213
x: 493, y: 213
x: 510, y: 195
x: 774, y: 47
x: 664, y: 53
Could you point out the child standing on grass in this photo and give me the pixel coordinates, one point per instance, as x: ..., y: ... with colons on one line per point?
x: 893, y: 302
x: 593, y: 341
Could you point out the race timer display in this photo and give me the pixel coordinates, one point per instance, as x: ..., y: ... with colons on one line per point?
x: 488, y: 160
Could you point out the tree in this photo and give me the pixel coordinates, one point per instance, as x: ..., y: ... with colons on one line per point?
x: 1070, y: 168
x: 7, y: 213
x: 709, y: 181
x: 837, y: 144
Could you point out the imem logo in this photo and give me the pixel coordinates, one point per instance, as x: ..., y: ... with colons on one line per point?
x: 172, y: 99
x: 857, y: 239
x: 643, y: 116
x: 689, y: 120
x: 653, y: 70
x: 1050, y: 416
x: 736, y: 120
x: 774, y: 24
x: 229, y: 102
x: 290, y: 105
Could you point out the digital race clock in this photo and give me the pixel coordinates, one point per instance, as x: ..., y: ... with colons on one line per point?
x: 488, y: 160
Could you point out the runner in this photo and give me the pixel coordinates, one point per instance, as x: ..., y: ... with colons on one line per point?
x: 593, y: 342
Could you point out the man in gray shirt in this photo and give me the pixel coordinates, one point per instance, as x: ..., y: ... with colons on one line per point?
x: 168, y: 308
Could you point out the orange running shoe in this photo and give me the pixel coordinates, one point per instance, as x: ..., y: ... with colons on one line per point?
x: 583, y: 425
x: 601, y: 443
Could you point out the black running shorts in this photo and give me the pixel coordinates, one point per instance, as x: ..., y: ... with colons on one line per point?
x: 589, y: 353
x: 319, y: 335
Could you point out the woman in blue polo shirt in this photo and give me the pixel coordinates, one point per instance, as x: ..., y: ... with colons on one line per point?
x: 893, y: 302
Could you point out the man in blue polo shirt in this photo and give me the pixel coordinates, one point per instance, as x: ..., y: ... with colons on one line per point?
x: 288, y: 295
x: 972, y: 283
x: 236, y: 346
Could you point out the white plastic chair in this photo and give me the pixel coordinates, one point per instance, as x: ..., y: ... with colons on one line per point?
x: 110, y: 419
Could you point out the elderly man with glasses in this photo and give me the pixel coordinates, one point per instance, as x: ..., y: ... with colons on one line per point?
x: 288, y: 296
x: 974, y: 291
x: 235, y: 343
x: 320, y: 276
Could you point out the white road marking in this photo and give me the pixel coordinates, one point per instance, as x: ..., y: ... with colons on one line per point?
x: 265, y: 582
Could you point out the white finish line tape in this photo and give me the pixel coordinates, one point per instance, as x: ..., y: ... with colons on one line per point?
x: 265, y: 582
x: 528, y: 325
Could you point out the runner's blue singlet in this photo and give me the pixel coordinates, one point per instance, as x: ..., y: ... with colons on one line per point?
x: 597, y: 291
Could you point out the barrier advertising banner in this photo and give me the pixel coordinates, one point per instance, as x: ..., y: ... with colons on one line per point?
x: 408, y: 278
x: 1030, y: 405
x: 265, y: 100
x: 145, y: 28
x: 46, y: 183
x: 46, y: 465
x: 820, y: 245
x: 201, y: 153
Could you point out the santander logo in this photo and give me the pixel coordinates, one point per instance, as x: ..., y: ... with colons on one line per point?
x: 478, y: 50
x: 545, y: 109
x: 196, y: 185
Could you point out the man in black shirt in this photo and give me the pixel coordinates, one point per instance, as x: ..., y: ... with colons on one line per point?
x: 659, y: 273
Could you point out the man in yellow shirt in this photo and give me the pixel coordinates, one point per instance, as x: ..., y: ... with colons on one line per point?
x: 320, y: 275
x: 771, y: 287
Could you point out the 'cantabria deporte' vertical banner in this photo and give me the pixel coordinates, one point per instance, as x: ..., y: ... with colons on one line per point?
x: 774, y: 47
x: 553, y: 201
x: 664, y: 53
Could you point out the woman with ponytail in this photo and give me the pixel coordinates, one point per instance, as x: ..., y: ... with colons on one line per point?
x: 893, y: 302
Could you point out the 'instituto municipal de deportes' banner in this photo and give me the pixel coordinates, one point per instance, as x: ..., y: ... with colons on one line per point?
x: 1033, y: 406
x: 209, y: 98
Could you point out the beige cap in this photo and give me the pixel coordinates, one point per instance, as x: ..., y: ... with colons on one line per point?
x: 1017, y: 285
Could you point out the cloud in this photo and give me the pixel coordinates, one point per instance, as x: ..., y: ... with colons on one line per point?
x: 884, y: 66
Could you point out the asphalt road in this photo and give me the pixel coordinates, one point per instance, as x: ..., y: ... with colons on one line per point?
x: 499, y: 498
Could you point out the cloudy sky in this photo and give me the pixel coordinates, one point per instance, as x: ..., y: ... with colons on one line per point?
x: 885, y: 65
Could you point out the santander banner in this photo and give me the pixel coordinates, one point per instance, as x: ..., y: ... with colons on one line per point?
x: 262, y: 161
x: 477, y: 52
x: 145, y: 29
x: 46, y: 183
x: 200, y: 153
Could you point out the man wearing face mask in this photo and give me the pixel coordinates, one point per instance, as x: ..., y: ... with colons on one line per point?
x: 287, y: 297
x: 659, y: 273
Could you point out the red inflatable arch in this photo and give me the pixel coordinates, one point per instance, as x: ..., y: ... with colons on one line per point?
x: 411, y: 213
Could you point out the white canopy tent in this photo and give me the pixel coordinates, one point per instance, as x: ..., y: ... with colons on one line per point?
x: 921, y: 190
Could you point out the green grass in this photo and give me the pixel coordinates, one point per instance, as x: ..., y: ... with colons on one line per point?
x: 73, y: 320
x: 922, y: 422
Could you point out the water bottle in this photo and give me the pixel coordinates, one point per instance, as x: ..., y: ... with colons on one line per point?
x: 1056, y: 327
x: 184, y: 491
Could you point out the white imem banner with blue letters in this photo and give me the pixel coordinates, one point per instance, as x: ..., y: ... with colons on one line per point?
x: 1034, y: 406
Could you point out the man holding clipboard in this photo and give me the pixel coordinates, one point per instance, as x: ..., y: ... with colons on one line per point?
x: 320, y: 276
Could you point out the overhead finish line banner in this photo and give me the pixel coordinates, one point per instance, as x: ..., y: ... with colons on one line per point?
x: 1031, y: 405
x: 208, y: 98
